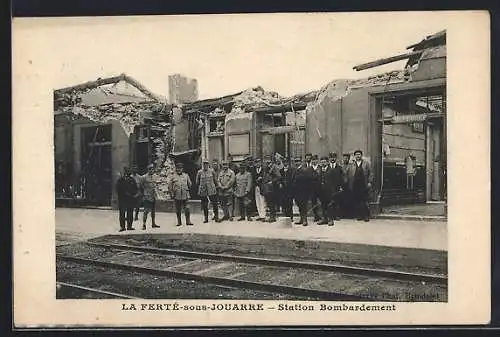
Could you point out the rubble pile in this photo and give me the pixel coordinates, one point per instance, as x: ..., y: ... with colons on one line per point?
x: 255, y: 97
x: 395, y: 76
x: 333, y: 91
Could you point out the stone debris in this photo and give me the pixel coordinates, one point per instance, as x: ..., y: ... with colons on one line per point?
x: 255, y: 98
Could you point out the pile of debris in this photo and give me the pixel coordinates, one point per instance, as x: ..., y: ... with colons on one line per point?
x: 396, y: 76
x: 255, y: 98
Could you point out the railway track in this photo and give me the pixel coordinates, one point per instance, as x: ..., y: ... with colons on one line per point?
x: 327, y: 267
x: 294, y: 278
x: 64, y: 288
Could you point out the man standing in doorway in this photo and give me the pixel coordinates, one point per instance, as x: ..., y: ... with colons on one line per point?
x: 126, y: 188
x: 359, y: 180
x: 207, y: 190
x: 148, y: 189
x: 226, y: 187
x: 260, y: 202
x: 179, y: 187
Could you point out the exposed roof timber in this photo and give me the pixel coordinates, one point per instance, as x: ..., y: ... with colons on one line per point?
x: 435, y: 39
x: 109, y: 80
x: 213, y: 101
x: 386, y: 60
x: 283, y: 108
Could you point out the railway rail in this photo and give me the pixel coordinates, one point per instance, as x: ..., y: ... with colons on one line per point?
x: 295, y: 278
x: 327, y: 267
x: 63, y: 286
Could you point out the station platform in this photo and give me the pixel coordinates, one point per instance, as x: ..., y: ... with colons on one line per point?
x: 75, y: 224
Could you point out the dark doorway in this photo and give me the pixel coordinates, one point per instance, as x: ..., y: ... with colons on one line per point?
x: 97, y: 165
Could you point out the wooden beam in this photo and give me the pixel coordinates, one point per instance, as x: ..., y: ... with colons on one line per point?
x: 386, y: 60
x: 110, y: 80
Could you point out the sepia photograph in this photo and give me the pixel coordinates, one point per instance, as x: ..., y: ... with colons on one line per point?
x: 290, y: 165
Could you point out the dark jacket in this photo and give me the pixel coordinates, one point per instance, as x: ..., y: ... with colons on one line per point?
x: 270, y: 180
x: 126, y: 188
x: 332, y: 180
x: 351, y: 170
x: 257, y: 177
x: 302, y: 183
x: 287, y: 179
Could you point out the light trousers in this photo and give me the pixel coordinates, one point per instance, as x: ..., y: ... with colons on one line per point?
x: 260, y: 201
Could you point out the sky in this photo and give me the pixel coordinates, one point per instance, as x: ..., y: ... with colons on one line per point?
x: 287, y: 53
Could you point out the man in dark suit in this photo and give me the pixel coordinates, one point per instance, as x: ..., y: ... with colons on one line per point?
x: 359, y: 180
x: 287, y: 174
x: 302, y: 189
x: 316, y: 186
x: 126, y: 189
x: 271, y: 183
x: 257, y: 175
x: 335, y: 183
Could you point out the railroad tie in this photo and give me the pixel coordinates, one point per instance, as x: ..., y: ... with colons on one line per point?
x: 214, y: 267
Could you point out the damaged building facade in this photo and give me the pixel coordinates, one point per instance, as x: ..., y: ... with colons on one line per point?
x: 253, y: 122
x: 102, y: 126
x: 398, y: 120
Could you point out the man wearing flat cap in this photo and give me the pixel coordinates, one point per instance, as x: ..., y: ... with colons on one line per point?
x: 359, y: 181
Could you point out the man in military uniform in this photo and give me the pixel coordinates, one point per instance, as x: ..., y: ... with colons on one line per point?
x: 207, y: 189
x: 271, y: 182
x: 226, y: 186
x: 148, y: 191
x: 179, y: 187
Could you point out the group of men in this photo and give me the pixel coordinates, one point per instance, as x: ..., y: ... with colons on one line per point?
x: 134, y: 190
x: 258, y: 188
x: 262, y: 188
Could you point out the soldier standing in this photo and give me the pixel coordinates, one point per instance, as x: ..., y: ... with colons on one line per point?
x: 207, y: 190
x: 148, y: 189
x: 216, y: 168
x: 242, y: 191
x: 137, y: 178
x: 126, y: 188
x: 226, y: 186
x: 179, y: 187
